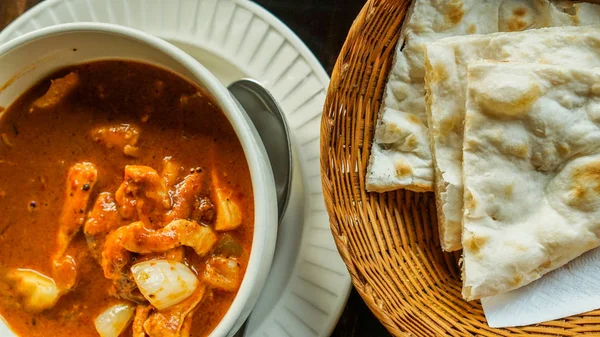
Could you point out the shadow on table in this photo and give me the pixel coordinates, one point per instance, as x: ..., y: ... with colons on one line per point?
x: 358, y: 321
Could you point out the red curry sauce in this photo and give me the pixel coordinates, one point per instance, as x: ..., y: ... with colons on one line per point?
x: 174, y: 118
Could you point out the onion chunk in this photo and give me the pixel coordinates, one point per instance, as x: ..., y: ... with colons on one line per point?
x: 223, y: 273
x: 39, y: 291
x: 229, y: 215
x: 164, y: 283
x: 114, y: 320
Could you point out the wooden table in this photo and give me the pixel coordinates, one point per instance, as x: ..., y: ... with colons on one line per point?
x: 323, y: 26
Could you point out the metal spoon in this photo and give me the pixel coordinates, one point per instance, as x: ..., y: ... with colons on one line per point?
x: 268, y: 118
x: 270, y: 123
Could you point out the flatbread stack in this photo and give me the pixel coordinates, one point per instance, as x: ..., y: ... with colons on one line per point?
x: 495, y: 106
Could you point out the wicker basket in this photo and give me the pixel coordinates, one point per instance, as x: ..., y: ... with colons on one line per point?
x: 389, y: 241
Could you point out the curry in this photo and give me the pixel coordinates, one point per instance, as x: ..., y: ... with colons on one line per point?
x: 126, y: 206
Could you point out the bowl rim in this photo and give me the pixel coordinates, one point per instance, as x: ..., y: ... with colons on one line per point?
x: 263, y: 185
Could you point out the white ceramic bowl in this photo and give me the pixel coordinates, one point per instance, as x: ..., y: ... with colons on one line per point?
x: 26, y: 60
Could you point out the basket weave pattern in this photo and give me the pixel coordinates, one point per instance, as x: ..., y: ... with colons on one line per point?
x: 389, y: 241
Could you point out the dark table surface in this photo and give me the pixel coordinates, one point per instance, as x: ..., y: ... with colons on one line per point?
x: 322, y: 25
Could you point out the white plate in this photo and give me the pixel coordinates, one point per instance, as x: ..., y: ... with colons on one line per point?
x: 308, y: 285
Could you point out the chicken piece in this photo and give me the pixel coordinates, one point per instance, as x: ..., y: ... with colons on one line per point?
x: 38, y: 291
x: 170, y: 322
x: 186, y: 328
x: 139, y: 239
x: 102, y: 220
x: 64, y: 272
x: 59, y: 89
x: 223, y: 273
x: 115, y: 261
x: 143, y: 193
x: 188, y: 100
x: 203, y: 210
x: 175, y: 254
x: 122, y: 136
x: 114, y: 256
x: 185, y: 197
x: 80, y: 182
x: 142, y: 312
x: 171, y: 171
x: 126, y: 288
x: 81, y: 179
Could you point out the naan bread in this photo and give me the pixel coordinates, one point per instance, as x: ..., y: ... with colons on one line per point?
x: 400, y: 154
x: 532, y: 172
x: 584, y: 13
x: 446, y: 63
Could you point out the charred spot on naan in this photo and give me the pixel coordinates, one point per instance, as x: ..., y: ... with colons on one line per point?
x: 470, y: 202
x: 547, y: 264
x: 474, y: 243
x: 436, y: 73
x: 513, y: 150
x: 516, y: 280
x: 584, y: 190
x: 514, y: 16
x: 411, y: 142
x: 472, y: 29
x: 509, y: 98
x: 562, y: 149
x: 449, y: 125
x: 414, y: 119
x: 519, y: 150
x: 516, y: 22
x: 454, y: 11
x: 471, y: 145
x: 508, y: 190
x: 402, y: 169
